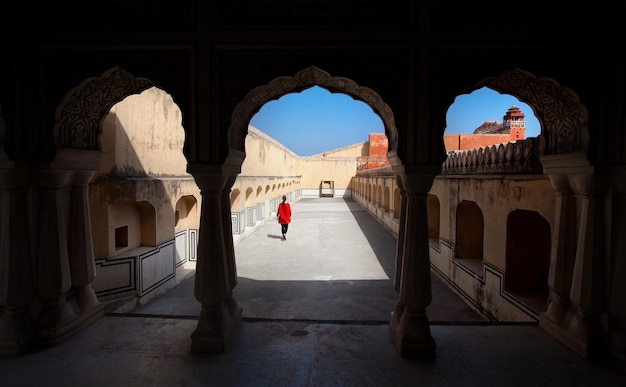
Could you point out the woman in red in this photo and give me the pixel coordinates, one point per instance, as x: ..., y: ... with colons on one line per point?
x: 284, y: 216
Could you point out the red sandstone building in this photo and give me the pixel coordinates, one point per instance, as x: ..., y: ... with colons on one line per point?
x: 490, y: 132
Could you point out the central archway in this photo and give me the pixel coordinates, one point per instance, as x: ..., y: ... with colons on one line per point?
x: 304, y: 79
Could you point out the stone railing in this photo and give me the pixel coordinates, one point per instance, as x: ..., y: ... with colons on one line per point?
x: 520, y: 157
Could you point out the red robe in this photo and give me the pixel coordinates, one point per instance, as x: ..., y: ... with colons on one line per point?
x: 284, y: 213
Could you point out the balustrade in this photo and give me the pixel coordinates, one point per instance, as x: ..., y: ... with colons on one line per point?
x: 520, y: 157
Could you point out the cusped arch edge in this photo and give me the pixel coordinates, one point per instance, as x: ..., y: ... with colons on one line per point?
x: 304, y: 79
x: 564, y: 118
x: 78, y: 117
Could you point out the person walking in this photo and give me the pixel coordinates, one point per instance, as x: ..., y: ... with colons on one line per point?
x: 283, y: 214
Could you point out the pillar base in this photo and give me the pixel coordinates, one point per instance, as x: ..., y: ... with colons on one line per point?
x: 410, y: 331
x: 58, y: 322
x: 580, y: 334
x: 86, y: 299
x: 555, y: 313
x: 216, y: 327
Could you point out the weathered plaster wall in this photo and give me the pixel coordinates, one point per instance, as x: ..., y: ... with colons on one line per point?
x: 142, y: 161
x: 143, y: 135
x: 338, y: 165
x: 267, y: 157
x: 340, y: 170
x: 496, y: 197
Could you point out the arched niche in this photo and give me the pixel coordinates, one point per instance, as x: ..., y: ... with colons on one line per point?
x: 433, y: 213
x: 186, y: 213
x: 469, y: 232
x: 528, y: 246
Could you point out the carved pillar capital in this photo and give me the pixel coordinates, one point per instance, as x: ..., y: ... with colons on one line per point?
x: 585, y: 184
x: 417, y: 182
x: 560, y: 183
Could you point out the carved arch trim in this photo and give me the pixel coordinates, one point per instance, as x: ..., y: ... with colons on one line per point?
x: 309, y: 77
x: 563, y: 117
x: 77, y: 118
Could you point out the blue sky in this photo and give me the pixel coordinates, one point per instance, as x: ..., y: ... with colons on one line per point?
x: 316, y: 120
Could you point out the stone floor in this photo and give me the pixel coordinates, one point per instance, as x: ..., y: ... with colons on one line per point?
x: 316, y: 310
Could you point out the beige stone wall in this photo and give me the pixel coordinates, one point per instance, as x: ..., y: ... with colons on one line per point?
x: 340, y: 170
x: 356, y: 150
x: 268, y: 171
x: 496, y: 198
x: 267, y: 157
x: 277, y: 170
x: 338, y: 165
x: 142, y: 182
x: 143, y: 135
x: 147, y: 206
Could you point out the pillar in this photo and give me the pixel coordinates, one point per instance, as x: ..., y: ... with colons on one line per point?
x: 80, y: 245
x: 227, y: 227
x: 397, y: 312
x: 214, y: 279
x: 587, y: 294
x: 409, y: 325
x: 16, y: 279
x: 561, y: 257
x: 52, y: 266
x: 617, y: 289
x: 578, y: 268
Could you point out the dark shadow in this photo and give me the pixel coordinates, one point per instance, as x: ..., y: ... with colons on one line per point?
x: 329, y: 302
x: 274, y: 236
x: 446, y: 306
x: 382, y: 242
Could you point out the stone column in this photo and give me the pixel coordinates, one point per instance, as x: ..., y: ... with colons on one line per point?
x: 83, y: 164
x: 80, y: 245
x: 53, y: 270
x: 561, y: 257
x: 213, y: 280
x: 588, y: 282
x: 399, y: 308
x: 228, y: 233
x: 411, y: 330
x: 617, y: 289
x: 16, y: 266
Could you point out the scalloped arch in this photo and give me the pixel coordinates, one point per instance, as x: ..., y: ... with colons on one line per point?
x: 77, y: 118
x: 309, y: 77
x: 563, y: 117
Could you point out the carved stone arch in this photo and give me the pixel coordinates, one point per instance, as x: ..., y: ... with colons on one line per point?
x: 78, y: 117
x: 563, y: 117
x: 302, y: 80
